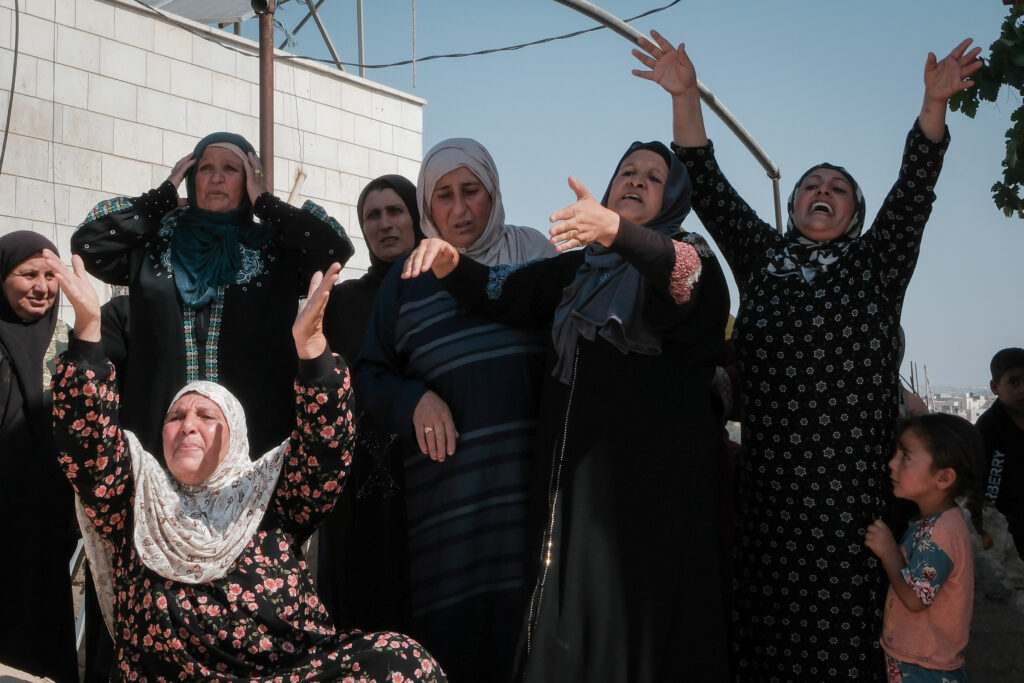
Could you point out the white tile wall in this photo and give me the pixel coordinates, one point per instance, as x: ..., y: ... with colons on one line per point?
x: 109, y: 96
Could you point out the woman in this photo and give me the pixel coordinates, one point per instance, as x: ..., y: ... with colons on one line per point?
x: 199, y: 566
x: 34, y: 500
x: 211, y: 291
x: 628, y: 583
x: 362, y: 571
x: 461, y: 393
x: 816, y: 336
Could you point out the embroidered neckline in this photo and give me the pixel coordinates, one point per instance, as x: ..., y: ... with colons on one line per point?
x: 209, y: 371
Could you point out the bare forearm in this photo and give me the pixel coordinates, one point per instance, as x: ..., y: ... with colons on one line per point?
x: 932, y: 119
x: 688, y: 121
x: 894, y: 565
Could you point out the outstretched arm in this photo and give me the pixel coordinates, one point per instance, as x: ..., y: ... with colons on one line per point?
x: 671, y: 68
x: 942, y: 80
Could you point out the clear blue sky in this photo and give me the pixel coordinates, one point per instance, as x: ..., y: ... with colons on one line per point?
x: 812, y: 81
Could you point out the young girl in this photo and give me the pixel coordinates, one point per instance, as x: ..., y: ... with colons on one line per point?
x: 931, y: 571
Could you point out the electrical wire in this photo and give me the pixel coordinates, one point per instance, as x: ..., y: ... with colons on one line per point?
x: 14, y: 76
x: 404, y: 62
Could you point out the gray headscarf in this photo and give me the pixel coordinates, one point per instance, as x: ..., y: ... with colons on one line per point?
x: 499, y: 243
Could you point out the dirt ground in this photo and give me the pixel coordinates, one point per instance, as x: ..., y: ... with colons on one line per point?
x: 995, y: 653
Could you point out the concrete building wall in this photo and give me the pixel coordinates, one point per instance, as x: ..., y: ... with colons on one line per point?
x: 109, y: 95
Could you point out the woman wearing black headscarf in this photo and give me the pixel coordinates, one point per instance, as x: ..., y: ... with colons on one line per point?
x: 817, y: 341
x: 362, y: 571
x: 35, y: 504
x: 212, y: 291
x: 628, y: 583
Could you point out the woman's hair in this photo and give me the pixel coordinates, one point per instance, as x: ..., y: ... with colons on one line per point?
x: 953, y: 443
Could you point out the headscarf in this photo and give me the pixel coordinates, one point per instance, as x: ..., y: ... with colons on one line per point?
x: 607, y: 295
x: 406, y: 191
x: 23, y: 343
x: 191, y: 533
x: 804, y: 257
x: 499, y: 243
x: 206, y: 245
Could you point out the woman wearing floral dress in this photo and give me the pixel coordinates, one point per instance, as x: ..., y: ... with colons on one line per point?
x: 198, y: 566
x: 816, y: 335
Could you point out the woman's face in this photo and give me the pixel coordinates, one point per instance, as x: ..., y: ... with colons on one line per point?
x: 460, y: 207
x: 824, y: 204
x: 387, y: 224
x: 31, y: 288
x: 638, y: 188
x: 196, y: 437
x: 220, y: 180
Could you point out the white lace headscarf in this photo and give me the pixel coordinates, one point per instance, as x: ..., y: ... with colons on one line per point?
x: 190, y: 533
x: 499, y: 242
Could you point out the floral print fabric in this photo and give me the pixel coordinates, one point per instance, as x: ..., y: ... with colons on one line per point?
x: 263, y: 620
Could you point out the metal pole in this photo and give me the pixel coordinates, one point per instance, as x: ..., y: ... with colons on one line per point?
x: 359, y: 22
x: 323, y: 32
x: 267, y: 94
x: 713, y: 103
x: 298, y: 27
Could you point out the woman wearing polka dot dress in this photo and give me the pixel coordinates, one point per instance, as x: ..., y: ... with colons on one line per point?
x: 816, y: 336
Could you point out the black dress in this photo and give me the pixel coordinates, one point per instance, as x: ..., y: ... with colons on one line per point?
x: 820, y: 368
x: 362, y: 561
x: 37, y: 620
x: 126, y: 242
x: 625, y: 518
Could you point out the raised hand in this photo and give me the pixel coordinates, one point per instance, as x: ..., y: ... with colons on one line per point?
x: 308, y: 328
x: 584, y: 222
x: 178, y: 172
x: 435, y: 429
x: 255, y: 185
x: 433, y: 254
x: 669, y: 67
x: 80, y: 293
x: 945, y: 78
x: 942, y: 80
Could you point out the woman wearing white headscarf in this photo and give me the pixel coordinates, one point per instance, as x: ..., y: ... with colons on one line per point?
x: 461, y: 393
x: 199, y: 566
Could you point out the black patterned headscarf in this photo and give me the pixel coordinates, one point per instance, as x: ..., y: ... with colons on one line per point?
x: 804, y: 257
x: 607, y: 295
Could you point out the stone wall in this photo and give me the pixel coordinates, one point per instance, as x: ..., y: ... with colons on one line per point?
x: 109, y: 95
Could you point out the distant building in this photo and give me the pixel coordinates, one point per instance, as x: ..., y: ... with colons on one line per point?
x: 969, y: 406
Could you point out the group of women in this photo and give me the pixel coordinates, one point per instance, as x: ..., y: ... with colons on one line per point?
x: 527, y: 479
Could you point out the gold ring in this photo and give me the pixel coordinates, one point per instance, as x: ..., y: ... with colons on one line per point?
x: 258, y: 172
x: 427, y: 430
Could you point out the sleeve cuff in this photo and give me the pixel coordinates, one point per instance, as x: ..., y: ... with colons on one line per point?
x: 312, y: 369
x: 81, y: 350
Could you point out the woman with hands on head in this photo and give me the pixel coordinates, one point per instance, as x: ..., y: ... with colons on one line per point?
x: 197, y: 555
x: 213, y: 283
x: 817, y: 340
x: 626, y: 555
x: 461, y: 393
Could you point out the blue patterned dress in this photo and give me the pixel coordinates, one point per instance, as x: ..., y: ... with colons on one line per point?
x: 466, y: 515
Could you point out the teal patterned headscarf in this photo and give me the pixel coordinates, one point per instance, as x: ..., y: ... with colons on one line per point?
x: 206, y: 245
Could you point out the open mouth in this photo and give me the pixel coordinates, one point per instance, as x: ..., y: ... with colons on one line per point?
x: 634, y: 197
x: 822, y: 207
